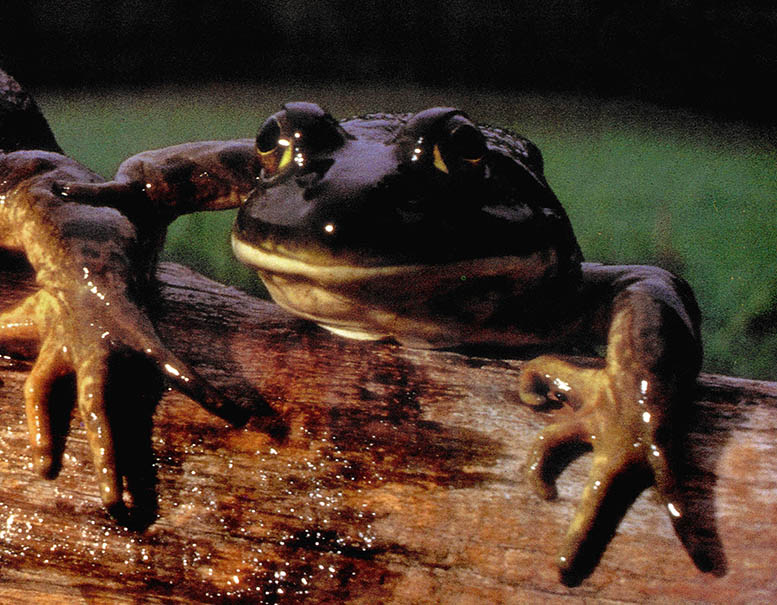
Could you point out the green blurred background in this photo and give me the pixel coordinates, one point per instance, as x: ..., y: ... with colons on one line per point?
x: 642, y: 184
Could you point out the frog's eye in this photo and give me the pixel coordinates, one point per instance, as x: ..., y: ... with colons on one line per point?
x: 319, y: 130
x: 274, y: 148
x: 445, y: 135
x: 461, y: 147
x: 294, y: 135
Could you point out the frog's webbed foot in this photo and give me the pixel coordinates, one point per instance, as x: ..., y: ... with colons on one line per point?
x: 92, y: 381
x: 86, y: 348
x: 627, y: 454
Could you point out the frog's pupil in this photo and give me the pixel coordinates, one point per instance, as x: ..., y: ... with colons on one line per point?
x: 268, y: 136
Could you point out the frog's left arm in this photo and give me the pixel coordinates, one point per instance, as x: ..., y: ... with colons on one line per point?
x: 92, y: 266
x: 625, y: 408
x: 169, y: 182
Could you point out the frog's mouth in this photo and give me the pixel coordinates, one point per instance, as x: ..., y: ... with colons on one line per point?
x: 418, y: 304
x: 266, y: 261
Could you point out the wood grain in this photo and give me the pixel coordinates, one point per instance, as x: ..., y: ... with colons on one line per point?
x: 388, y: 475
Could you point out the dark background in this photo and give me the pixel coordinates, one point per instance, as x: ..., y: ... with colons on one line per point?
x: 718, y: 57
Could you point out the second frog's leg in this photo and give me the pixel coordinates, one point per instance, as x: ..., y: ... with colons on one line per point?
x: 623, y: 410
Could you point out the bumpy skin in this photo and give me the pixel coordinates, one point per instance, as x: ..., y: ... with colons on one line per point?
x: 93, y: 268
x: 435, y: 232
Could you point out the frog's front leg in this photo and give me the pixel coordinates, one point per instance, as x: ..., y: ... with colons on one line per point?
x: 165, y: 183
x: 625, y: 409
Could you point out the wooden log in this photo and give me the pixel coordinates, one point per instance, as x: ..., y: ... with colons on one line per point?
x: 389, y: 475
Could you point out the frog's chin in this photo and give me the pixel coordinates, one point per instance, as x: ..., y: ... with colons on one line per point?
x: 435, y: 305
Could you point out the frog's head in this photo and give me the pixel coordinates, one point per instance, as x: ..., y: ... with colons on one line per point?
x: 401, y: 225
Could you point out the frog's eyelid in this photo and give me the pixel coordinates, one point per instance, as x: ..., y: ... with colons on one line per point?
x: 269, y: 133
x: 274, y: 146
x: 321, y: 131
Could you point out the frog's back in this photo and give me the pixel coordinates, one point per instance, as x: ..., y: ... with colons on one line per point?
x: 22, y: 125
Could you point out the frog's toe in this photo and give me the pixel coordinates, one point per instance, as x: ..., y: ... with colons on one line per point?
x: 186, y: 380
x: 542, y: 466
x: 667, y: 486
x: 536, y: 383
x: 693, y: 525
x: 613, y: 483
x: 49, y: 367
x: 555, y: 382
x: 91, y: 384
x: 213, y: 401
x: 664, y: 477
x: 179, y: 375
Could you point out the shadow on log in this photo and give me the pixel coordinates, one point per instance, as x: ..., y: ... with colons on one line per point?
x: 389, y: 475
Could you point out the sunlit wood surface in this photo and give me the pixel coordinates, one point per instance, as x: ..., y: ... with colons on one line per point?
x: 388, y: 476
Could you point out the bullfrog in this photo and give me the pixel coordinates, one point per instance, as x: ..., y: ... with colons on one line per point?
x: 94, y: 268
x: 434, y: 231
x: 431, y: 230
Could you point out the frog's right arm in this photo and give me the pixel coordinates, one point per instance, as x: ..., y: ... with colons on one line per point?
x: 206, y: 175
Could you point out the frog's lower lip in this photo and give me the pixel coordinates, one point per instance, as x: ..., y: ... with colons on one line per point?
x: 273, y: 262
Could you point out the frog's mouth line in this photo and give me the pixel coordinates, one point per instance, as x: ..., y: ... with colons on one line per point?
x: 530, y: 267
x: 407, y: 303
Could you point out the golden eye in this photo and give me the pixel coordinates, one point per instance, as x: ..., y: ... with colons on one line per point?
x: 274, y: 149
x: 468, y: 143
x: 463, y: 146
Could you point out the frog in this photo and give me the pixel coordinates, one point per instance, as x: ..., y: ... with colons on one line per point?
x: 94, y: 272
x: 433, y: 231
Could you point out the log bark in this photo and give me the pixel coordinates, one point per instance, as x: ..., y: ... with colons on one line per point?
x: 387, y: 475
